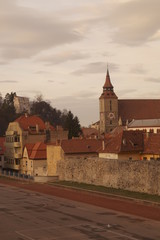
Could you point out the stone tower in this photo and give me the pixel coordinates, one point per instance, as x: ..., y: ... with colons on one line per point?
x: 108, y: 107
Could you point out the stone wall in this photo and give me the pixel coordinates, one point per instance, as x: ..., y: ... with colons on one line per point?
x: 139, y: 176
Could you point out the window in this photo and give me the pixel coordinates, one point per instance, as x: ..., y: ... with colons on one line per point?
x: 110, y: 105
x: 17, y: 138
x: 17, y: 162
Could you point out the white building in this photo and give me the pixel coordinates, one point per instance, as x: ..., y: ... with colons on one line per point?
x: 21, y: 104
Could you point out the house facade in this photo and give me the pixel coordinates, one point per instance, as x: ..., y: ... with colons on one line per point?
x: 25, y: 129
x: 34, y: 160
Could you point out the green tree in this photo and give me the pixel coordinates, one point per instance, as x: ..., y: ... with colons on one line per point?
x: 72, y: 124
x: 46, y: 112
x: 7, y: 112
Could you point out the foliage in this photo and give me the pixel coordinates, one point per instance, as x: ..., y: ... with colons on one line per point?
x: 46, y: 112
x: 41, y: 108
x: 7, y: 112
x: 72, y: 124
x: 56, y: 117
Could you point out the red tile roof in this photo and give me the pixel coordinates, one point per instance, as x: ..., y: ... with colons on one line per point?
x: 81, y: 145
x: 123, y: 141
x: 129, y: 109
x: 37, y: 151
x: 30, y: 121
x: 2, y: 146
x: 152, y: 143
x: 108, y: 81
x: 29, y: 147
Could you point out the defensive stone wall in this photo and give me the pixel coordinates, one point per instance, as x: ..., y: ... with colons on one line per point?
x: 139, y: 176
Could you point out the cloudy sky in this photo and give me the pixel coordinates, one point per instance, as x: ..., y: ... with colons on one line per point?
x: 60, y: 49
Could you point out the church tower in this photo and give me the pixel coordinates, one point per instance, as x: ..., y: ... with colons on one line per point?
x: 108, y: 107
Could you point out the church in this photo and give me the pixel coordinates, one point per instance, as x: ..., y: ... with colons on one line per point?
x: 115, y: 112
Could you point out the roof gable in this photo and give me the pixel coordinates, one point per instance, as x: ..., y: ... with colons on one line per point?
x: 36, y: 151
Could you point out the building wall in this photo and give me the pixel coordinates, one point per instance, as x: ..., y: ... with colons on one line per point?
x: 106, y: 107
x: 121, y: 156
x: 54, y: 154
x: 150, y: 156
x: 148, y: 129
x: 1, y: 161
x: 32, y: 167
x: 139, y: 176
x: 40, y: 167
x: 21, y: 104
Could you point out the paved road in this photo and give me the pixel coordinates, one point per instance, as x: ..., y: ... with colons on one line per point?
x: 26, y: 215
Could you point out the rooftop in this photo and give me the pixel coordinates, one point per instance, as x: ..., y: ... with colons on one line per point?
x: 36, y: 151
x: 81, y: 145
x: 144, y: 123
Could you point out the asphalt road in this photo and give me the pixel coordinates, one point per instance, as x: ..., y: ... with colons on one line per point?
x: 26, y: 215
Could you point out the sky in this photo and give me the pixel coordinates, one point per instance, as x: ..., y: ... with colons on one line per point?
x: 60, y: 49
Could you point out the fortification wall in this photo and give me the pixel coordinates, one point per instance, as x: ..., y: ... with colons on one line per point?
x: 139, y: 176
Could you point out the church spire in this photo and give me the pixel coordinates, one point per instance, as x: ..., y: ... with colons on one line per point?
x: 108, y: 81
x: 108, y: 90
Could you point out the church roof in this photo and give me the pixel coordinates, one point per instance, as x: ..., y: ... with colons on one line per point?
x: 108, y: 81
x: 108, y: 91
x: 144, y: 123
x: 129, y: 109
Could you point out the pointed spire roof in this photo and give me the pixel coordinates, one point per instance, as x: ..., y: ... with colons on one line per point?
x: 108, y: 91
x: 108, y: 81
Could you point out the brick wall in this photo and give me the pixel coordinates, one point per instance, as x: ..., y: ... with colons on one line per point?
x: 140, y: 176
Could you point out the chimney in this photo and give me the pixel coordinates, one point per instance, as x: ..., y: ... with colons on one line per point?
x: 37, y: 128
x: 103, y: 145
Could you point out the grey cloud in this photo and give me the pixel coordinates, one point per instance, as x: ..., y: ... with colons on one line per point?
x: 8, y: 81
x: 41, y: 72
x: 25, y: 33
x: 64, y: 57
x: 153, y: 80
x: 126, y: 92
x: 138, y: 69
x: 135, y: 22
x: 51, y: 81
x: 95, y: 67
